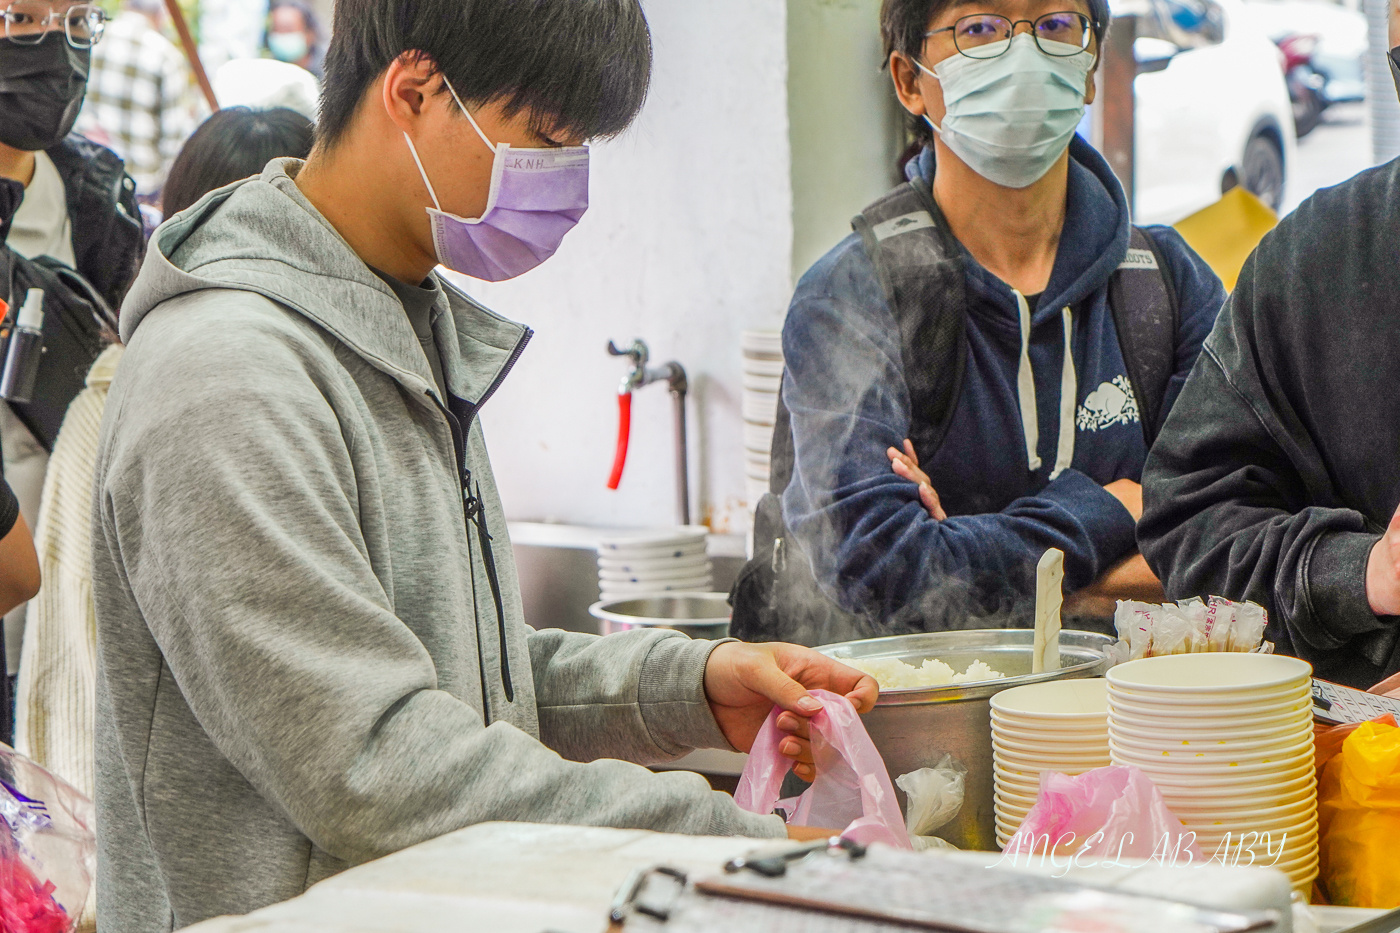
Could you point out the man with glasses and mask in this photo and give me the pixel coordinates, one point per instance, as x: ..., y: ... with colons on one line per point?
x: 311, y: 643
x: 975, y: 375
x: 1276, y: 482
x: 63, y: 199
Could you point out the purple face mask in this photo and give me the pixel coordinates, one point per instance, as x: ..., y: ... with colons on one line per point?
x: 537, y: 196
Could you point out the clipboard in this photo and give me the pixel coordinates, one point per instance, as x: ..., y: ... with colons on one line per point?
x: 884, y: 890
x: 1336, y: 705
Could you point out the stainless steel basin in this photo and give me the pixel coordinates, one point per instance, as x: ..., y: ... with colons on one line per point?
x: 699, y: 615
x: 558, y: 568
x: 913, y: 729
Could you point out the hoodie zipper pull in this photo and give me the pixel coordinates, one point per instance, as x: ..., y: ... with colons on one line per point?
x: 469, y: 501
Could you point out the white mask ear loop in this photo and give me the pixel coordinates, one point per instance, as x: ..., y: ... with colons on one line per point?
x: 419, y: 162
x: 468, y: 114
x: 927, y: 119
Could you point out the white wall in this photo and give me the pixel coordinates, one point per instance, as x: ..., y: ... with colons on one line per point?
x: 687, y: 243
x: 846, y: 131
x: 690, y: 241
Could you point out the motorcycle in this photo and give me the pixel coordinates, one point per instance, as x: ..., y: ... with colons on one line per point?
x: 1307, y: 87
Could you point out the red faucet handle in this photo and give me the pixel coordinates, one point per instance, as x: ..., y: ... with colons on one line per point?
x: 624, y: 434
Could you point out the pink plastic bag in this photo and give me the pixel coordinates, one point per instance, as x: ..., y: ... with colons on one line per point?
x: 852, y: 788
x: 1113, y: 812
x: 47, y: 848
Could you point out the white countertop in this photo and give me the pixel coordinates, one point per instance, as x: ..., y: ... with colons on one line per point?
x: 528, y: 878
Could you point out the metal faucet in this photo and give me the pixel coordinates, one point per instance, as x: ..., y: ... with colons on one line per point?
x: 641, y: 376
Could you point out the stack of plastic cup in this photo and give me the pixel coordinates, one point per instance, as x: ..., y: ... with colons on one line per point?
x: 1057, y: 726
x: 654, y: 563
x: 1228, y: 739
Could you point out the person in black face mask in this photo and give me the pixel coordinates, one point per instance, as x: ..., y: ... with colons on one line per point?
x: 1275, y: 479
x: 64, y: 200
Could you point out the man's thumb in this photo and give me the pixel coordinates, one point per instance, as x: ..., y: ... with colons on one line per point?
x: 777, y: 686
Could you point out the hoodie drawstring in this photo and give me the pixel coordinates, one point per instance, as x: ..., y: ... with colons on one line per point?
x: 1025, y: 386
x: 1069, y: 391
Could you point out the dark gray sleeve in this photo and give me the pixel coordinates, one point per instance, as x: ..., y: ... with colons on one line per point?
x: 1227, y: 509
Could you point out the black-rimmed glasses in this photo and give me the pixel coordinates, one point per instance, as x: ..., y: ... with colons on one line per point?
x: 987, y: 35
x: 28, y: 21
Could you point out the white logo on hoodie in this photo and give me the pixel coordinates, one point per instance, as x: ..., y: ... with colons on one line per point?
x: 1111, y: 403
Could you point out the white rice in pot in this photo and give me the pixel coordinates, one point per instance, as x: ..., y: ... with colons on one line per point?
x: 894, y: 674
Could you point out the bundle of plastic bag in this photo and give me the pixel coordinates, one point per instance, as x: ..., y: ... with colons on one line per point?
x: 852, y: 791
x: 1359, y: 818
x: 1190, y: 626
x: 47, y: 848
x: 1111, y: 813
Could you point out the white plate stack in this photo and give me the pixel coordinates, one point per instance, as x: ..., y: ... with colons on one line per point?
x: 651, y: 563
x: 1228, y: 739
x: 1057, y: 726
x: 763, y: 376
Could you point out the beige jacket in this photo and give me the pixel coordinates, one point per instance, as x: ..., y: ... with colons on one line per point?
x: 57, y: 673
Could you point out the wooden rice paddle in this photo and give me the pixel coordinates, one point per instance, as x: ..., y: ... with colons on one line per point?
x: 177, y: 16
x: 1049, y: 597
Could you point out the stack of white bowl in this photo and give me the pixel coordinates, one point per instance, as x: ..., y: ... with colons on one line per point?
x: 652, y: 563
x: 1228, y: 739
x: 763, y: 377
x: 1057, y: 726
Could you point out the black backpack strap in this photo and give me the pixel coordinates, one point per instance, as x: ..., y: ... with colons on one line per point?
x: 1146, y: 313
x: 919, y: 265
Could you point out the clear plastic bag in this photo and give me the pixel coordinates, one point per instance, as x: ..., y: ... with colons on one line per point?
x: 1114, y: 812
x: 852, y: 791
x: 933, y: 797
x: 47, y: 848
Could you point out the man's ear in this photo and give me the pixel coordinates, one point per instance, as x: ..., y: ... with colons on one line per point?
x: 1092, y: 90
x: 905, y: 75
x: 410, y: 82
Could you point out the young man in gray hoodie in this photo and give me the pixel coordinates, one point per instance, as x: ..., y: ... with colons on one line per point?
x: 311, y: 646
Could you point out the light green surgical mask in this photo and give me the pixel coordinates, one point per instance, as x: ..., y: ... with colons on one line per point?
x: 1010, y: 118
x: 288, y: 46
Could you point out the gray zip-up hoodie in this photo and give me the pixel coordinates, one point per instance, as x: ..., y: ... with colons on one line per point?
x: 310, y: 653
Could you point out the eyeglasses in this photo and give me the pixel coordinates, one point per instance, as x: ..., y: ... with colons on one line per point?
x: 28, y: 21
x: 986, y: 35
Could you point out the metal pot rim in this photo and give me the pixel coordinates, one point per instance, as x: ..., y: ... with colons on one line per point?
x: 600, y: 610
x: 1088, y: 649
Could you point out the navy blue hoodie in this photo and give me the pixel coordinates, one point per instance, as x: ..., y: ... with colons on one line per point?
x: 872, y: 545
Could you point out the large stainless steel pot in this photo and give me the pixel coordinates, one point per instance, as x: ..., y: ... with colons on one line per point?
x: 913, y: 729
x: 699, y: 615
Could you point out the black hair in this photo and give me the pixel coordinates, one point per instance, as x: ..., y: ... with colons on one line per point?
x: 903, y: 24
x: 578, y: 67
x: 232, y: 144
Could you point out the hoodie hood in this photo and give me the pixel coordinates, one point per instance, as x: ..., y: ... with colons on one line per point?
x: 262, y: 235
x: 1093, y: 244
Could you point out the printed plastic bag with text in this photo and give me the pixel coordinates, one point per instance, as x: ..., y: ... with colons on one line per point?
x: 852, y: 791
x: 1114, y: 812
x: 47, y: 848
x: 1359, y: 818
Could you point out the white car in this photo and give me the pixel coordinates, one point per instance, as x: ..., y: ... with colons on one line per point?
x: 1212, y: 108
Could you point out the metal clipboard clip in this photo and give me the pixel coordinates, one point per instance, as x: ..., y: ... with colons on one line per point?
x: 775, y: 866
x: 650, y: 891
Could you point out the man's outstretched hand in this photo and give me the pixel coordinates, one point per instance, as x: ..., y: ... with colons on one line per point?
x: 744, y: 682
x: 1383, y: 572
